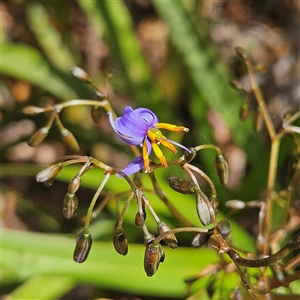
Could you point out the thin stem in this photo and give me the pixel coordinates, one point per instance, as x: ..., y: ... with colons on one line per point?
x: 270, y: 187
x: 260, y: 100
x: 208, y: 146
x: 123, y: 212
x: 93, y: 202
x: 162, y: 196
x: 208, y: 180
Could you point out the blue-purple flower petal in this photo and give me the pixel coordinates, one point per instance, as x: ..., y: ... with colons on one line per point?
x: 136, y: 165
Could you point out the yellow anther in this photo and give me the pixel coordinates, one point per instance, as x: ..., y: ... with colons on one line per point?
x: 159, y: 154
x: 145, y: 155
x: 171, y: 127
x: 167, y: 144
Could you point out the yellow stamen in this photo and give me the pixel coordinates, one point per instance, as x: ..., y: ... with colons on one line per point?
x: 171, y: 127
x: 145, y: 155
x: 167, y: 144
x: 159, y: 154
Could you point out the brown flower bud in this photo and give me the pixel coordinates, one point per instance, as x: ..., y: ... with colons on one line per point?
x: 97, y: 113
x: 240, y: 52
x: 48, y: 174
x: 153, y: 256
x: 32, y: 110
x: 222, y: 168
x: 70, y: 206
x: 69, y: 139
x: 203, y: 211
x: 182, y: 186
x: 201, y: 239
x: 140, y: 217
x: 74, y: 185
x: 120, y: 241
x: 169, y: 239
x: 224, y: 227
x: 81, y: 75
x: 83, y: 246
x: 189, y: 156
x: 38, y: 137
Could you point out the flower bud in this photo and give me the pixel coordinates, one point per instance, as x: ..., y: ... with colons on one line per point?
x: 38, y: 137
x: 32, y: 110
x: 201, y: 239
x: 81, y: 75
x: 83, y: 246
x: 120, y: 241
x: 245, y: 109
x: 169, y: 239
x: 224, y: 227
x: 258, y: 121
x: 70, y: 206
x: 182, y: 186
x: 153, y: 256
x: 203, y: 211
x: 237, y: 85
x: 97, y: 113
x: 48, y: 174
x: 140, y: 217
x: 189, y: 156
x: 222, y: 168
x: 240, y: 52
x: 74, y: 185
x: 69, y: 139
x: 235, y: 204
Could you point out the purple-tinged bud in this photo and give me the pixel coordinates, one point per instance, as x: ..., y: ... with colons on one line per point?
x: 240, y: 52
x: 81, y: 75
x: 203, y: 211
x: 182, y: 186
x: 153, y: 256
x: 70, y: 206
x: 48, y: 174
x: 120, y: 241
x: 83, y: 246
x: 32, y: 110
x: 222, y: 168
x: 69, y: 139
x: 170, y: 238
x: 38, y: 137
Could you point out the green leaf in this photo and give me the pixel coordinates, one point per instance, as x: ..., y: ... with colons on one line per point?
x: 26, y: 63
x: 43, y: 287
x: 49, y: 38
x: 28, y: 255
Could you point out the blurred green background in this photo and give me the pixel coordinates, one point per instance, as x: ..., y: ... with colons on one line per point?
x: 173, y: 57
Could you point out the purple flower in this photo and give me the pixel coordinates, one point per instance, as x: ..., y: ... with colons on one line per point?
x: 140, y: 127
